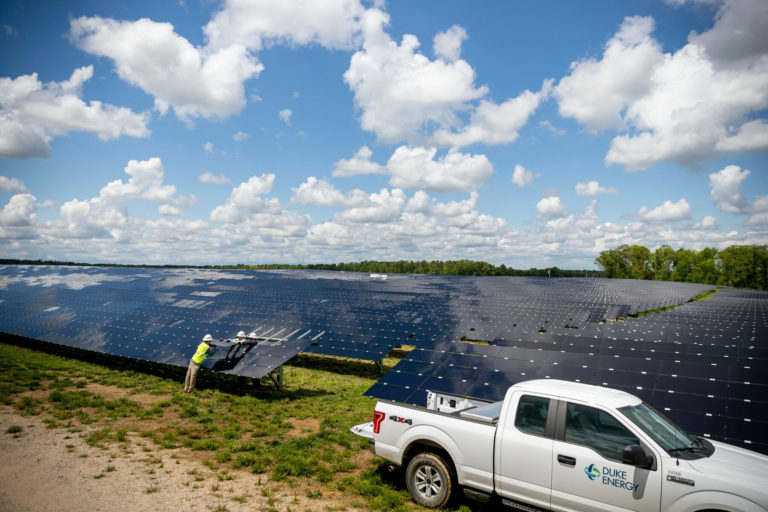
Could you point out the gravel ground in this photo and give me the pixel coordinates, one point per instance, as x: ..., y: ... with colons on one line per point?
x: 51, y: 469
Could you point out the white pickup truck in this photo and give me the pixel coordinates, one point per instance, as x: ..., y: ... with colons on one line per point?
x: 563, y: 446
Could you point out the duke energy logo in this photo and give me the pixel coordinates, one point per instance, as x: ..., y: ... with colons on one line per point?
x: 592, y: 472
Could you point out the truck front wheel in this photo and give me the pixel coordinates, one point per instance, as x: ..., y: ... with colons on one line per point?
x: 429, y: 480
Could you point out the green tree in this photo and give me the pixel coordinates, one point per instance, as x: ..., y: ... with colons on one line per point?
x: 683, y: 265
x: 638, y: 260
x: 705, y: 267
x: 744, y: 266
x: 663, y: 262
x: 612, y: 263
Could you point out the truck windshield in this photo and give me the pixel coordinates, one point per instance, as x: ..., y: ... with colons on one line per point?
x: 668, y: 435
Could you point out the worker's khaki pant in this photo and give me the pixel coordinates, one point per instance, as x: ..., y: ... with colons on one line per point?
x: 189, y: 382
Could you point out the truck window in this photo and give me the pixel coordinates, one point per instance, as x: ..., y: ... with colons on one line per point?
x: 598, y: 430
x: 531, y: 416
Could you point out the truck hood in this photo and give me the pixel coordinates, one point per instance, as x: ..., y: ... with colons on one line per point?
x: 743, y: 471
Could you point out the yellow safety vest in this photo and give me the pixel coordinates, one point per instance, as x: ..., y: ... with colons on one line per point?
x: 202, y: 351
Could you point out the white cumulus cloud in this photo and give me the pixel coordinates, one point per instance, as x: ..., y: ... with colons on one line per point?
x: 750, y: 136
x: 550, y: 208
x: 285, y: 115
x: 493, y: 123
x: 421, y: 202
x: 334, y: 24
x: 319, y: 192
x: 11, y: 185
x: 145, y: 182
x: 246, y: 199
x: 193, y: 81
x: 107, y: 216
x: 170, y: 210
x: 667, y: 212
x: 708, y: 222
x: 359, y: 164
x: 727, y: 195
x: 726, y: 191
x: 683, y: 106
x: 447, y: 45
x: 20, y: 211
x: 399, y: 91
x: 416, y: 167
x: 522, y: 177
x: 214, y: 179
x: 596, y: 92
x: 739, y: 31
x: 18, y: 220
x: 33, y: 113
x: 593, y: 188
x: 379, y: 208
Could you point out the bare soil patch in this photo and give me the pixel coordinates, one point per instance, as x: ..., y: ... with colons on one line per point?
x: 52, y: 469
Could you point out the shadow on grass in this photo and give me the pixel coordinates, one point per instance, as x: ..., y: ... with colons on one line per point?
x: 356, y: 367
x: 394, y: 478
x: 232, y: 384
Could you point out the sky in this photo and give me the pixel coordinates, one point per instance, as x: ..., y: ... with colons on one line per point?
x: 530, y: 134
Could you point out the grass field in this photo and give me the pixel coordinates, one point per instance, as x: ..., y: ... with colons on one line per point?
x: 297, y: 437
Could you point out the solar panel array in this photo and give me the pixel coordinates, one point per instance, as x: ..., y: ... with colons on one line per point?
x: 705, y: 361
x: 705, y: 364
x: 155, y: 314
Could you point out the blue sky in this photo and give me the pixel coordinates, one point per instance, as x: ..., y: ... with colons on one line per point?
x: 526, y: 133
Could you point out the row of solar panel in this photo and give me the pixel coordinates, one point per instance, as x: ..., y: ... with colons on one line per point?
x: 498, y: 358
x: 421, y: 375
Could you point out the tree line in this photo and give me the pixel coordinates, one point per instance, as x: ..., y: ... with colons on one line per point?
x: 451, y: 267
x: 739, y: 266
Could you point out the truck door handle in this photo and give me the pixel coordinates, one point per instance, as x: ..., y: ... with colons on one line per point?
x: 571, y: 461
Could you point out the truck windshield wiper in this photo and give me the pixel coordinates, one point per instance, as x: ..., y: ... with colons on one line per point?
x: 698, y: 445
x: 684, y: 449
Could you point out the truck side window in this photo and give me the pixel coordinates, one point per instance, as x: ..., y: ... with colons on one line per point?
x: 531, y: 416
x: 597, y: 430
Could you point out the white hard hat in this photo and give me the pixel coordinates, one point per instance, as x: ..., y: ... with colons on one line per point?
x: 241, y: 334
x: 207, y: 337
x: 252, y: 335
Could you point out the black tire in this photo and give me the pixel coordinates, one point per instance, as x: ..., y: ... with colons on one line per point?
x: 430, y: 480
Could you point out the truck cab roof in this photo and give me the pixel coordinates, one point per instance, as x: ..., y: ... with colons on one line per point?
x: 579, y: 392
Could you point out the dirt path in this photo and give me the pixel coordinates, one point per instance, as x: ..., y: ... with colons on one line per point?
x: 51, y: 469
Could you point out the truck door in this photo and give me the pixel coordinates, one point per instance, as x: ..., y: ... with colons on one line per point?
x: 587, y: 468
x: 524, y: 452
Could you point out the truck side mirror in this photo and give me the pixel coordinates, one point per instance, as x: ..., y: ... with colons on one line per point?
x: 634, y: 455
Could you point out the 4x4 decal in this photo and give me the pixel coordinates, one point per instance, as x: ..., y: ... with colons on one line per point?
x: 400, y: 419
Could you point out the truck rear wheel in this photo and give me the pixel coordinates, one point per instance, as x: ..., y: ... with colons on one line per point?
x: 429, y: 480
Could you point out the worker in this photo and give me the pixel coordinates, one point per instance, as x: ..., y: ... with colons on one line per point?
x: 240, y: 337
x: 249, y: 339
x: 204, y: 349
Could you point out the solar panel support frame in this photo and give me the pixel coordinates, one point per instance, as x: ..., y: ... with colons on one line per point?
x: 276, y: 376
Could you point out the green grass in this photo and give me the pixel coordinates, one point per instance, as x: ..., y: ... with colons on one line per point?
x: 701, y: 296
x: 298, y: 436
